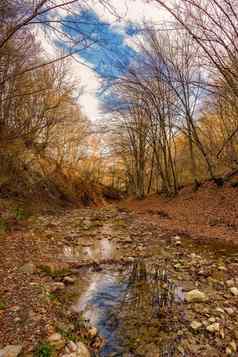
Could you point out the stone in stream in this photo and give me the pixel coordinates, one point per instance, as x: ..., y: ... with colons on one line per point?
x: 177, y: 240
x: 56, y: 340
x: 195, y: 325
x: 230, y: 283
x: 71, y: 346
x: 57, y: 286
x: 80, y: 351
x: 215, y: 327
x: 195, y: 296
x: 55, y: 337
x: 69, y: 280
x: 11, y: 351
x: 229, y: 310
x: 92, y: 332
x: 220, y: 310
x: 234, y: 291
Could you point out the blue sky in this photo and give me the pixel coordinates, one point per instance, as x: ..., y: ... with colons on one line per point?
x: 109, y: 56
x: 108, y: 53
x: 114, y: 49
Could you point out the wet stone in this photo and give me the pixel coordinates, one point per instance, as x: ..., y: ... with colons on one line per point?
x: 11, y: 351
x: 196, y: 325
x: 57, y: 286
x: 195, y: 296
x: 234, y: 291
x: 215, y: 327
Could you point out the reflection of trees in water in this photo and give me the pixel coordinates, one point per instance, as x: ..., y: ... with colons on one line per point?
x: 150, y: 289
x: 147, y: 311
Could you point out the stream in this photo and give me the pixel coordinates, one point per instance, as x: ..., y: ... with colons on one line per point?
x: 134, y: 292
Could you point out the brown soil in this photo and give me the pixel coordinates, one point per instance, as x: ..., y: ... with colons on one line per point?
x: 210, y: 213
x: 28, y: 313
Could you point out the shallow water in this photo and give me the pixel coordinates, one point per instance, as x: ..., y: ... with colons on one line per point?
x: 138, y: 306
x: 127, y: 305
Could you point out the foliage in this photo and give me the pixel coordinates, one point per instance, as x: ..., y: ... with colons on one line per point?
x: 2, y: 305
x: 20, y: 213
x: 3, y: 225
x: 44, y: 350
x: 54, y: 273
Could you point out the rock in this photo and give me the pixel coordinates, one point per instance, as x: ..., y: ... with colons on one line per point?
x: 72, y: 346
x: 195, y: 296
x: 28, y: 268
x: 230, y: 283
x: 177, y: 240
x: 55, y: 337
x: 229, y: 310
x: 92, y: 332
x: 11, y: 351
x: 233, y: 346
x: 195, y: 325
x: 69, y: 280
x: 215, y: 327
x: 57, y: 286
x: 130, y: 259
x: 219, y: 310
x: 234, y: 291
x: 228, y: 351
x: 222, y: 268
x: 57, y: 341
x: 82, y: 350
x: 222, y: 334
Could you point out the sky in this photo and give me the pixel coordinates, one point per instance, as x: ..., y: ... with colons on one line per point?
x: 114, y: 32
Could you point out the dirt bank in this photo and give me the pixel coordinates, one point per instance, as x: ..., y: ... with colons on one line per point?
x: 210, y: 213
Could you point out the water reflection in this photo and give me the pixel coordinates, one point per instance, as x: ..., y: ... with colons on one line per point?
x: 100, y: 250
x: 133, y: 307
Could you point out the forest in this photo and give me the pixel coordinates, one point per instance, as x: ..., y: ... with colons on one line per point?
x: 118, y: 178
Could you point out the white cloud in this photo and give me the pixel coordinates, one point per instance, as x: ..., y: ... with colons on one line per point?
x: 136, y: 11
x: 118, y: 15
x: 89, y: 83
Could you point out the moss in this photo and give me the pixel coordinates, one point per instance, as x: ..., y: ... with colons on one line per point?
x: 69, y: 335
x: 2, y: 305
x: 20, y: 214
x: 54, y: 273
x: 44, y: 350
x: 3, y: 225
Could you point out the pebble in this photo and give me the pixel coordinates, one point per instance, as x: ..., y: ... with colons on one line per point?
x: 92, y: 332
x: 229, y: 310
x: 11, y: 351
x: 234, y: 291
x: 69, y: 280
x: 233, y: 346
x: 222, y: 268
x: 81, y: 350
x: 72, y: 346
x: 55, y: 337
x: 213, y: 327
x: 195, y: 325
x: 195, y: 296
x: 230, y: 283
x: 57, y: 286
x: 218, y: 309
